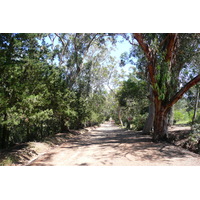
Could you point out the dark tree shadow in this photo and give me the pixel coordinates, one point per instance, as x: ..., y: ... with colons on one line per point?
x: 121, y: 143
x: 42, y: 160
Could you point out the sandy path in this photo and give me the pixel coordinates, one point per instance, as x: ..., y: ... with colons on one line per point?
x: 109, y: 145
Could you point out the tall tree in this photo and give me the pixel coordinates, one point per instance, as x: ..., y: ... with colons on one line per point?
x: 18, y: 54
x: 46, y: 88
x: 71, y: 50
x: 166, y: 55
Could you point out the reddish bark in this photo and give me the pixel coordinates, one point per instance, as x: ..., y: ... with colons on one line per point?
x: 160, y: 121
x: 161, y: 108
x: 161, y: 111
x: 144, y: 46
x: 160, y: 124
x: 171, y: 46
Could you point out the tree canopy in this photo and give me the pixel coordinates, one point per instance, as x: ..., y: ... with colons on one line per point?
x: 54, y: 82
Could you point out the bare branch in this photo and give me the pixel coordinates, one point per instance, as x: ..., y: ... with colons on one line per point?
x: 61, y: 39
x: 88, y: 46
x: 52, y: 40
x: 64, y: 47
x: 128, y: 39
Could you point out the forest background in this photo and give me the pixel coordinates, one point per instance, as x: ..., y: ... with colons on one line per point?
x: 104, y: 23
x: 57, y: 82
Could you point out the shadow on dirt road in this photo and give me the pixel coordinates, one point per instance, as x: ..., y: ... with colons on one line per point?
x: 110, y: 145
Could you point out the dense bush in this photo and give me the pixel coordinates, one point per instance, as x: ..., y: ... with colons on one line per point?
x: 40, y: 98
x: 133, y: 104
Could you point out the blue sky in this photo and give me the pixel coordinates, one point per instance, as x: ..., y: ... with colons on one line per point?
x: 121, y: 47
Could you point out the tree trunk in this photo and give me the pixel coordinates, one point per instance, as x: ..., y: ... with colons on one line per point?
x: 41, y: 130
x: 150, y: 119
x: 63, y: 127
x: 160, y: 123
x: 161, y: 111
x: 28, y: 132
x: 162, y: 107
x: 5, y: 134
x: 195, y: 106
x: 171, y: 116
x: 5, y: 137
x: 119, y: 116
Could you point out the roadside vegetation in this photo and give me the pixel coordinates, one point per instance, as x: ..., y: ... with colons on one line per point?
x: 59, y: 82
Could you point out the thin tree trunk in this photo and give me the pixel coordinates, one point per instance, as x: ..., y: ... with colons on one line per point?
x: 28, y: 133
x: 195, y: 106
x: 171, y: 116
x: 150, y: 119
x: 63, y: 127
x: 4, y: 141
x: 119, y: 116
x: 5, y: 134
x: 41, y: 130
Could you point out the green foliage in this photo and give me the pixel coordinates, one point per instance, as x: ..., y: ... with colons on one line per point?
x: 41, y: 96
x: 47, y: 88
x: 137, y: 122
x: 8, y: 160
x: 132, y: 99
x: 180, y: 115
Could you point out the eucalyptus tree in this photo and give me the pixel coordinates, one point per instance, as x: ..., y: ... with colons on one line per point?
x: 71, y: 49
x: 84, y: 59
x: 166, y: 56
x: 92, y: 80
x: 50, y: 87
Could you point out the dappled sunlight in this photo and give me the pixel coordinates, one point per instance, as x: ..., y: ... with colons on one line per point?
x: 111, y: 145
x: 55, y: 87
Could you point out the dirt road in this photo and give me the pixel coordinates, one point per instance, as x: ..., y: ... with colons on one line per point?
x: 109, y: 145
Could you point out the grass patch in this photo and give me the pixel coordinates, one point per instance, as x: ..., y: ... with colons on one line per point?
x: 182, y: 122
x: 9, y: 160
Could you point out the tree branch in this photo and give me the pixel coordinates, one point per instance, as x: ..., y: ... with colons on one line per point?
x: 60, y: 39
x: 182, y: 91
x: 88, y: 46
x: 52, y: 40
x: 64, y: 48
x: 144, y: 46
x: 171, y: 46
x: 151, y: 59
x: 128, y: 39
